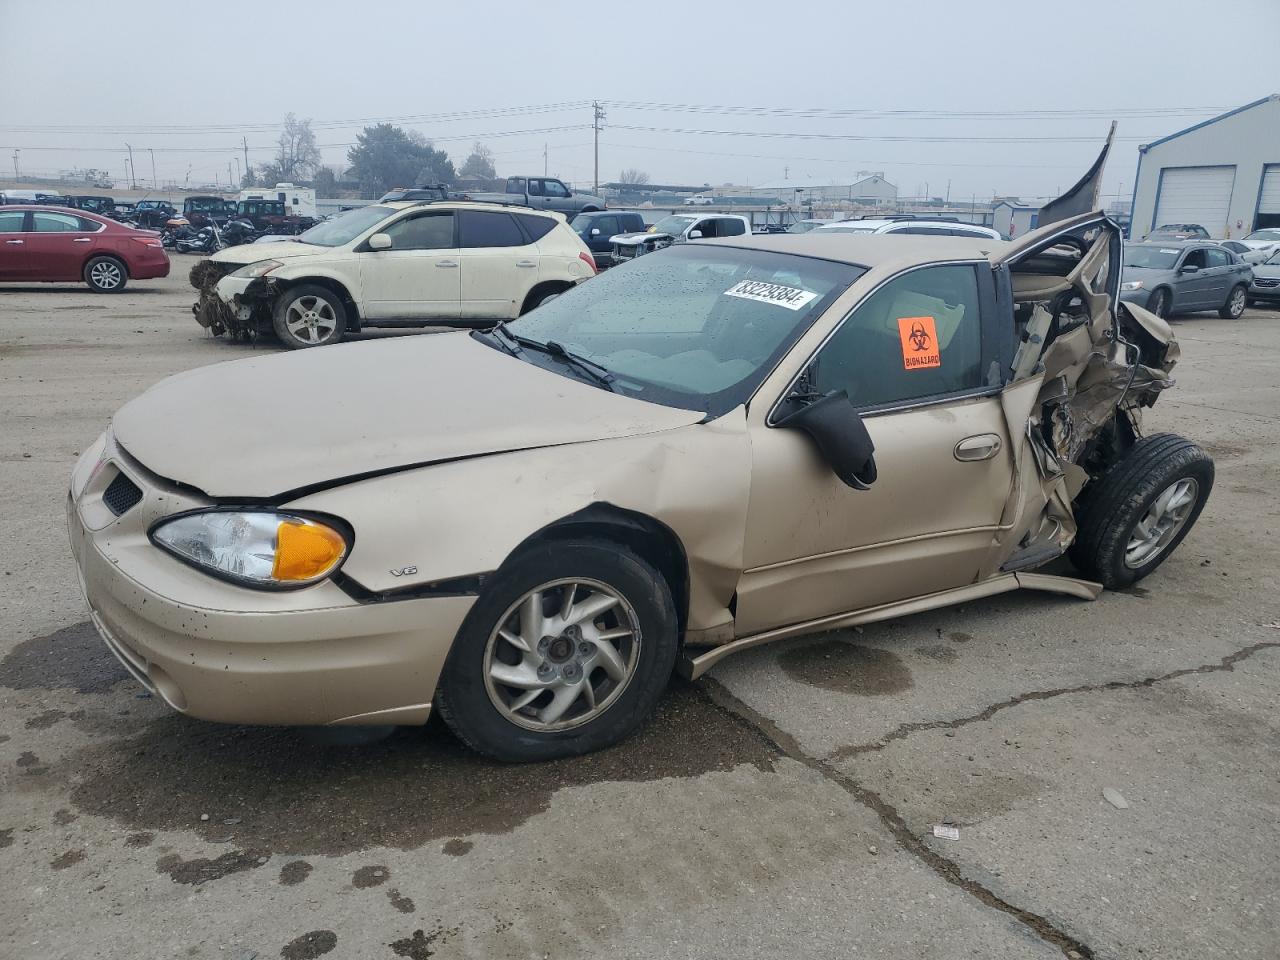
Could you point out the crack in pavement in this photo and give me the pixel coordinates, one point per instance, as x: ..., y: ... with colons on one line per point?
x: 907, y: 729
x: 947, y: 870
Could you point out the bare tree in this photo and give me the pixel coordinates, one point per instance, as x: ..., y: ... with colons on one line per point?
x: 479, y: 164
x: 634, y: 177
x: 298, y: 157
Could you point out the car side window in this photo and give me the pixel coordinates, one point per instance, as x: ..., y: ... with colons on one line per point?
x: 729, y: 227
x: 479, y: 228
x: 607, y: 226
x: 57, y: 223
x: 1195, y: 259
x: 706, y: 227
x: 516, y: 185
x: 11, y: 221
x: 536, y: 227
x: 555, y: 189
x: 535, y: 188
x: 1218, y: 258
x: 919, y: 335
x: 429, y: 231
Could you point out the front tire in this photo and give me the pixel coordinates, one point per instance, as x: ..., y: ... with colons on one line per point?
x: 568, y: 650
x: 106, y: 275
x: 1159, y: 303
x: 1133, y: 516
x: 1237, y: 299
x: 309, y: 316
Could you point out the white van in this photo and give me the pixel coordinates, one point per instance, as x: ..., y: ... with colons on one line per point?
x: 298, y: 201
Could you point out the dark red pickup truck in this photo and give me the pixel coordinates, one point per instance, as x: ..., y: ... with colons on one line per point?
x: 270, y: 216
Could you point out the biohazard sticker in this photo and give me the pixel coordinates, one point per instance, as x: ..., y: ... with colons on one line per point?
x: 919, y: 343
x: 793, y: 298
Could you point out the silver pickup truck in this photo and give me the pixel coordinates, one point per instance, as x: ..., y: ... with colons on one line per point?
x: 542, y: 193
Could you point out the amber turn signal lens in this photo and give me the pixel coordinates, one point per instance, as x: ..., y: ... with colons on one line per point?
x: 306, y: 550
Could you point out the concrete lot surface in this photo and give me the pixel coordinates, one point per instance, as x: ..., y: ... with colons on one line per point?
x: 781, y: 808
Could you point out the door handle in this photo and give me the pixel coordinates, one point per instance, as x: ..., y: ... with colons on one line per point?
x: 13, y: 241
x: 984, y: 446
x: 83, y: 240
x: 525, y: 263
x: 446, y: 263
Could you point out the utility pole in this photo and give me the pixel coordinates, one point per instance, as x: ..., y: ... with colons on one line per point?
x: 237, y: 160
x: 544, y: 162
x: 17, y: 173
x: 154, y: 185
x: 133, y: 180
x: 245, y: 142
x: 597, y: 116
x: 229, y: 170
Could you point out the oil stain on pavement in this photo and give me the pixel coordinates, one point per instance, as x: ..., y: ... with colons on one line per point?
x: 310, y: 945
x: 833, y: 664
x: 285, y: 795
x: 72, y: 657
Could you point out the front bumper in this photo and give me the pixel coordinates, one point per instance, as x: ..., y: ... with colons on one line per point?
x: 1264, y: 288
x: 1140, y: 297
x: 217, y: 651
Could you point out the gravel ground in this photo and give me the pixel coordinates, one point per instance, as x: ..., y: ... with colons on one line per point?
x: 783, y: 806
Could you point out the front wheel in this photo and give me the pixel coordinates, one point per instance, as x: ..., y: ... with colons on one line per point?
x: 1133, y: 516
x: 106, y: 275
x: 567, y: 651
x: 1159, y: 303
x: 309, y: 316
x: 1237, y: 299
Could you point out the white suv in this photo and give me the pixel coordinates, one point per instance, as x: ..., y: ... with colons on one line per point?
x: 393, y: 264
x: 917, y: 226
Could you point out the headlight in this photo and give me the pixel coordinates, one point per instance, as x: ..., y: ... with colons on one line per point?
x: 1131, y: 285
x: 259, y: 269
x: 254, y: 548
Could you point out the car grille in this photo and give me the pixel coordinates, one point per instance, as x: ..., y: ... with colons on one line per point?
x: 121, y: 495
x: 1265, y: 282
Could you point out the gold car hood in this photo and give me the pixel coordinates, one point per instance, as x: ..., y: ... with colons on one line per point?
x: 265, y: 427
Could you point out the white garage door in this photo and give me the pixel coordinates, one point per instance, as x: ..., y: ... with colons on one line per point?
x: 1196, y: 195
x: 1269, y: 201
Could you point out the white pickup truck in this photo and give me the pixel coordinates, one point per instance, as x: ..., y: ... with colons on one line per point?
x: 677, y: 228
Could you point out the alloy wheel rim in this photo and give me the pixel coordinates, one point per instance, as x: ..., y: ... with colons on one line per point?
x: 1163, y: 520
x: 105, y: 275
x: 1237, y: 302
x: 311, y: 319
x: 562, y: 655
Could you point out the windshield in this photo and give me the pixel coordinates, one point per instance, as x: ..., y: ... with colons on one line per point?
x: 1273, y: 259
x: 802, y: 226
x: 694, y: 327
x: 581, y: 222
x: 206, y: 206
x: 1264, y: 235
x: 675, y: 224
x: 345, y: 227
x: 1155, y: 258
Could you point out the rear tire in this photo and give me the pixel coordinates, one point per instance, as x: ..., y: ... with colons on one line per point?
x: 1159, y: 302
x: 537, y: 300
x: 515, y: 688
x: 309, y: 316
x: 106, y: 275
x: 1133, y: 516
x: 1237, y: 299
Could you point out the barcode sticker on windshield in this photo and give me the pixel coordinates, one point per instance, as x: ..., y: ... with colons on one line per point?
x: 793, y: 298
x: 1163, y: 250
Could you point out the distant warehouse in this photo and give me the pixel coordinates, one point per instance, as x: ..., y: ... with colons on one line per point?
x: 1223, y: 174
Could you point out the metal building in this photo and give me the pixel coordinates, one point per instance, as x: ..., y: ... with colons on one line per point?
x: 1223, y: 174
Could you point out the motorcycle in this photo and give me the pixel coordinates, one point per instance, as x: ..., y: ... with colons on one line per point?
x: 173, y: 229
x: 205, y: 240
x: 237, y: 231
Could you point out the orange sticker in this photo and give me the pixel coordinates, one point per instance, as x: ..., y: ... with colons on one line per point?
x: 919, y: 343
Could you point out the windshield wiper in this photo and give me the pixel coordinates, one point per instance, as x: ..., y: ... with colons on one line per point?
x: 599, y: 374
x: 503, y: 338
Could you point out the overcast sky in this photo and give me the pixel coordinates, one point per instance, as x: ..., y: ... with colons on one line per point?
x: 160, y: 75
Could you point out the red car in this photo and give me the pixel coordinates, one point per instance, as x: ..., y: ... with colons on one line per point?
x: 58, y: 245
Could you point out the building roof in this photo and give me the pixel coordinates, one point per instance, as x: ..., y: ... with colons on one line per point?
x: 1143, y: 148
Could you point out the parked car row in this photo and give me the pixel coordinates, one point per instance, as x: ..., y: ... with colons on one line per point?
x: 56, y: 244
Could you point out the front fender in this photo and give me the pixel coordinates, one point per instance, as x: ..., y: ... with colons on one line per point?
x: 457, y: 519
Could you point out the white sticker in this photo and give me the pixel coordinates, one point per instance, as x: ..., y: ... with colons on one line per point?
x: 943, y: 832
x: 1163, y: 250
x: 793, y: 298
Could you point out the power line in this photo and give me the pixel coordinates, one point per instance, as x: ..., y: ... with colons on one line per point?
x: 776, y: 135
x: 1092, y: 113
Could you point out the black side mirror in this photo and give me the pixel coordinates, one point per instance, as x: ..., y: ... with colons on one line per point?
x: 842, y: 438
x: 1188, y: 268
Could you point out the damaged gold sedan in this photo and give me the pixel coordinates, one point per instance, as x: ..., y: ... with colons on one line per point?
x: 716, y: 446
